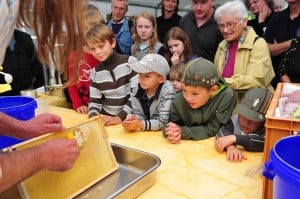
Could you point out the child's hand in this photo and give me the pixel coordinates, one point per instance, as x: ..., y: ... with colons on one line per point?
x: 235, y: 155
x: 132, y: 123
x: 82, y: 109
x: 175, y: 59
x: 173, y: 132
x: 111, y: 120
x: 223, y: 142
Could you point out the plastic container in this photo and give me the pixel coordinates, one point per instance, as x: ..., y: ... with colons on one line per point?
x: 19, y: 107
x: 276, y: 128
x: 284, y: 168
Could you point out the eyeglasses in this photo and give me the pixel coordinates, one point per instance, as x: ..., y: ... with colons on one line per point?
x: 119, y: 9
x: 229, y: 25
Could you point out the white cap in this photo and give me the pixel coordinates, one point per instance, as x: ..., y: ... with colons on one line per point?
x: 150, y: 63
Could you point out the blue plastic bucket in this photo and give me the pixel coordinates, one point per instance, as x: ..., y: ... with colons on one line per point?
x: 19, y: 107
x: 284, y: 168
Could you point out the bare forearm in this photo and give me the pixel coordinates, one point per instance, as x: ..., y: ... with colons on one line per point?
x: 10, y: 126
x: 278, y: 48
x: 19, y: 165
x: 230, y: 147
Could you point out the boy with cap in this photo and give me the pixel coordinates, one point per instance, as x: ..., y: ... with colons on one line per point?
x: 204, y: 105
x: 247, y: 127
x: 151, y: 98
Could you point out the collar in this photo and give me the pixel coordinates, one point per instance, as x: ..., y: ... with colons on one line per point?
x: 141, y: 93
x: 143, y: 47
x: 222, y: 85
x: 12, y: 43
x: 120, y: 22
x: 110, y: 60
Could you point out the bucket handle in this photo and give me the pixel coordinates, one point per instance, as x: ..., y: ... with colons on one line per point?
x: 268, y: 171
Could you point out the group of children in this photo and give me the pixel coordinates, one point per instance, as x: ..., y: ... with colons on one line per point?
x: 135, y: 91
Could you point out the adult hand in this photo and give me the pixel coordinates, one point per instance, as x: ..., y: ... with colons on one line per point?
x: 111, y: 120
x: 132, y: 123
x: 82, y: 110
x: 173, y: 132
x: 41, y: 124
x: 58, y: 154
x: 263, y: 13
x: 223, y: 142
x: 235, y: 155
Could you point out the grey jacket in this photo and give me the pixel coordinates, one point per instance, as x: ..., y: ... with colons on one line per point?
x: 159, y: 108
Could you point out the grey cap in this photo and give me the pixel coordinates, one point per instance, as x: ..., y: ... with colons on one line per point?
x: 200, y: 72
x: 150, y: 63
x: 255, y: 103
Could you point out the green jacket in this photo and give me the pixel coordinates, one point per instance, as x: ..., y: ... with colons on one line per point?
x: 205, y: 121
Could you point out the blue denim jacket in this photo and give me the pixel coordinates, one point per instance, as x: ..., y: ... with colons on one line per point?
x: 124, y: 38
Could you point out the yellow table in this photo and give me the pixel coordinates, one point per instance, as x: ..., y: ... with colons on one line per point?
x: 55, y: 100
x: 192, y: 169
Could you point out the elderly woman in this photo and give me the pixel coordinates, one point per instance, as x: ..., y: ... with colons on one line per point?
x: 242, y: 58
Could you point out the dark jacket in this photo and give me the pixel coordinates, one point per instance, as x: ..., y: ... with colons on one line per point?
x: 23, y: 64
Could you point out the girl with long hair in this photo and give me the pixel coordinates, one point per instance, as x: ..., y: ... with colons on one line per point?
x: 145, y: 36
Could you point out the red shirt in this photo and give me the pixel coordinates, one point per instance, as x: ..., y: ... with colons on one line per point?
x: 229, y: 66
x: 79, y: 92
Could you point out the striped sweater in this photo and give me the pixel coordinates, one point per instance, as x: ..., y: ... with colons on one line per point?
x: 110, y: 87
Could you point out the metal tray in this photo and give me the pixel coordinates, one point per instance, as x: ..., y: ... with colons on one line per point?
x: 136, y: 173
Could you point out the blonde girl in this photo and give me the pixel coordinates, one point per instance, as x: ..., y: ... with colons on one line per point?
x: 175, y: 75
x: 145, y: 36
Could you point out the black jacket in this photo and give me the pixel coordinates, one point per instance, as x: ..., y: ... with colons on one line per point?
x: 23, y: 64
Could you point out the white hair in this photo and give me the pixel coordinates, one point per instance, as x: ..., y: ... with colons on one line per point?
x: 235, y: 8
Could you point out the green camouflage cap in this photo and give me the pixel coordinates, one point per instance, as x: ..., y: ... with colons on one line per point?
x: 200, y: 72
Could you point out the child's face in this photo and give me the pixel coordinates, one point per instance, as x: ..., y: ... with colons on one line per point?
x: 249, y: 126
x: 102, y: 50
x: 176, y: 47
x: 150, y: 81
x: 177, y: 85
x: 144, y: 29
x: 197, y: 96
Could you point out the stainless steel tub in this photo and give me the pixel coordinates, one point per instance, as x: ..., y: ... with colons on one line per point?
x: 136, y: 173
